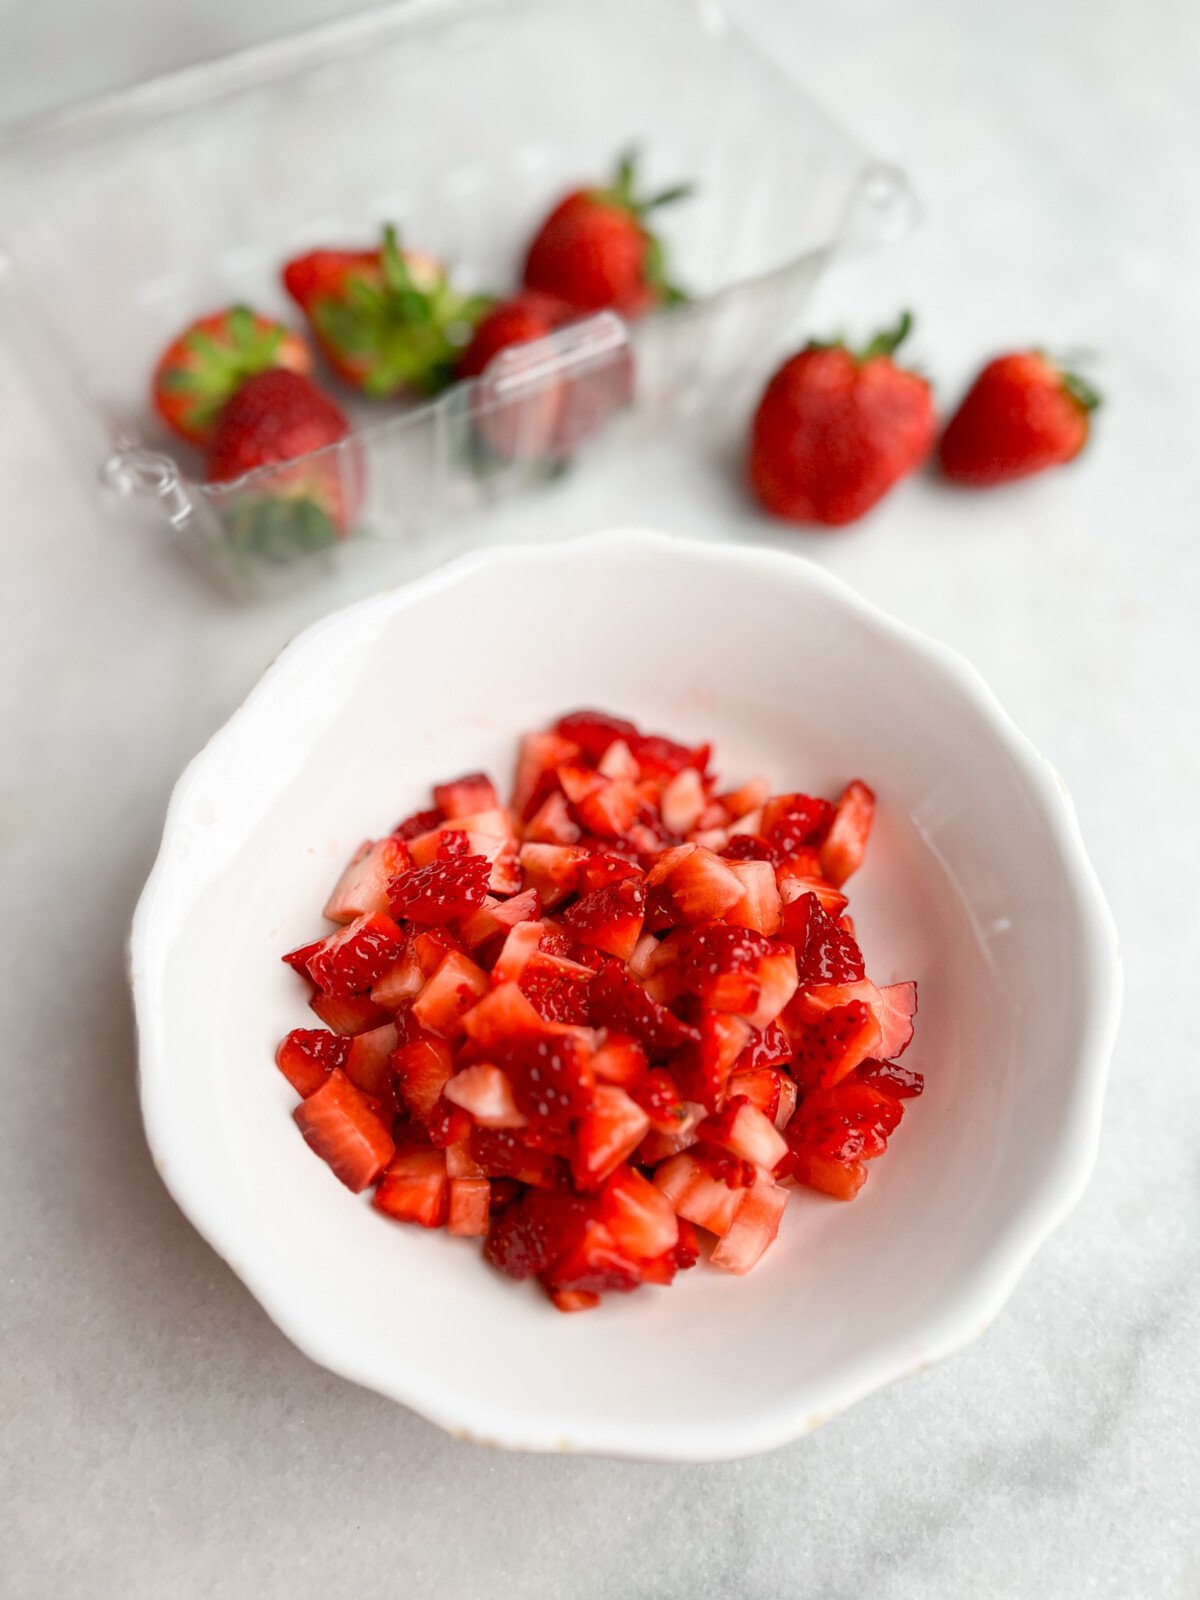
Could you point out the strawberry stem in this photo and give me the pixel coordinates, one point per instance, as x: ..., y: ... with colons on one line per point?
x: 889, y: 340
x: 1081, y: 391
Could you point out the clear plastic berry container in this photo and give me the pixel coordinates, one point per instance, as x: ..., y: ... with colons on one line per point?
x: 460, y: 121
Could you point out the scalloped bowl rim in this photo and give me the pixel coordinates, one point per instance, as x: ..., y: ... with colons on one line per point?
x: 974, y: 1301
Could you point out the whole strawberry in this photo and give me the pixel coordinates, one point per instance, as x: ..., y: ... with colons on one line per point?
x: 1021, y: 415
x: 281, y: 420
x: 835, y: 430
x: 594, y: 250
x: 198, y: 371
x: 388, y: 320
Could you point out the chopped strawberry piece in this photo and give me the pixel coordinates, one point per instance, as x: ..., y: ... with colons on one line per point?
x: 574, y: 1299
x: 438, y: 893
x: 307, y: 1056
x: 608, y: 811
x: 503, y: 1013
x: 608, y: 1132
x: 541, y: 754
x: 896, y: 1009
x: 367, y: 1063
x: 447, y: 1124
x: 415, y: 1188
x: 552, y: 822
x: 617, y: 762
x: 466, y: 796
x: 759, y: 1085
x: 683, y: 801
x: 352, y: 1013
x: 658, y: 1146
x: 827, y: 1050
x: 768, y: 1048
x: 470, y: 1207
x: 639, y: 1216
x: 609, y: 919
x: 551, y: 869
x: 298, y: 959
x: 529, y: 1236
x: 420, y: 822
x: 840, y: 1179
x: 721, y: 964
x: 742, y: 1128
x: 746, y: 847
x: 551, y: 1078
x: 504, y: 1153
x: 621, y: 1060
x: 401, y: 983
x: 449, y: 994
x: 557, y: 989
x: 619, y: 1001
x: 890, y: 1078
x: 703, y: 1073
x: 754, y: 1227
x: 850, y: 1122
x: 421, y: 1070
x: 846, y: 842
x: 703, y: 887
x: 777, y: 980
x: 519, y: 945
x: 486, y: 1093
x: 594, y: 731
x: 760, y: 907
x: 695, y: 1194
x: 357, y: 956
x: 719, y: 1162
x: 363, y: 887
x: 666, y: 862
x: 825, y: 952
x: 338, y: 1122
x: 662, y: 758
x: 791, y: 821
x: 594, y: 1264
x: 659, y: 1098
x: 603, y: 870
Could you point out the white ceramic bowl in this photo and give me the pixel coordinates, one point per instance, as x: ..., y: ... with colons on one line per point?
x: 976, y: 884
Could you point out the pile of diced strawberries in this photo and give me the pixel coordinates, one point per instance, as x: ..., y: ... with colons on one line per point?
x: 625, y: 1012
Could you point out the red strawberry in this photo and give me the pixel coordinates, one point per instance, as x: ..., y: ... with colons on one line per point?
x: 422, y: 1069
x: 889, y: 1077
x: 420, y: 822
x: 720, y: 964
x: 832, y: 1047
x: 348, y: 1014
x: 438, y: 893
x: 594, y: 249
x: 791, y: 821
x: 849, y: 1122
x: 846, y: 841
x: 768, y: 1048
x: 551, y: 1079
x: 556, y: 988
x: 754, y: 1227
x: 307, y: 1056
x: 311, y: 496
x: 504, y: 1153
x: 696, y: 1194
x: 452, y: 990
x: 415, y: 1188
x: 518, y: 320
x: 299, y: 958
x: 639, y: 1216
x: 210, y: 360
x: 387, y: 319
x: 747, y: 1131
x: 1022, y: 414
x: 530, y: 1235
x: 356, y: 956
x: 825, y: 951
x: 608, y: 1133
x: 339, y: 1123
x: 619, y: 1001
x: 470, y: 1205
x: 609, y: 919
x: 835, y: 430
x: 363, y: 886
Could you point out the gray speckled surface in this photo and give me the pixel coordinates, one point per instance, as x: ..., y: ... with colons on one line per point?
x: 160, y: 1437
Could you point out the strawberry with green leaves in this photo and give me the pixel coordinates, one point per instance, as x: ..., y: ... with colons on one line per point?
x: 1022, y: 414
x: 595, y: 250
x: 211, y: 359
x: 388, y: 320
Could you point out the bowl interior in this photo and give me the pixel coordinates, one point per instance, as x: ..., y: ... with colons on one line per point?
x: 965, y: 888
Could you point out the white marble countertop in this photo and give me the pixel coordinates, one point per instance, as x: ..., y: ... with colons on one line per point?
x: 160, y: 1436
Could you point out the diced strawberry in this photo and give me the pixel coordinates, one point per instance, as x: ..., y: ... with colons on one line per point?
x: 603, y: 870
x: 551, y: 869
x: 540, y: 756
x: 609, y: 810
x: 620, y: 1060
x: 357, y: 956
x: 447, y: 1124
x: 415, y: 1188
x: 889, y: 1077
x: 594, y: 731
x: 338, y: 1122
x: 464, y: 797
x: 742, y: 1128
x: 777, y: 980
x: 534, y: 1232
x: 307, y: 1056
x: 521, y: 907
x: 298, y: 959
x: 609, y: 919
x: 363, y: 887
x: 659, y: 1098
x: 752, y: 796
x: 897, y: 1008
x: 657, y: 1147
x: 504, y: 1153
x: 641, y: 962
x: 449, y: 994
x: 367, y: 1060
x: 703, y: 1073
x: 841, y: 1180
x: 609, y: 1131
x: 619, y: 1001
x: 618, y: 762
x: 754, y: 1227
x: 418, y: 823
x: 442, y: 891
x: 352, y: 1013
x: 788, y: 1094
x: 503, y: 1013
x: 400, y: 983
x: 826, y: 1051
x: 825, y: 952
x: 557, y: 989
x: 720, y: 964
x: 485, y: 1092
x: 520, y: 943
x: 850, y: 1122
x: 448, y: 845
x: 551, y: 1079
x: 791, y: 821
x: 574, y: 1299
x: 683, y: 801
x: 703, y: 886
x: 552, y: 822
x: 846, y: 842
x: 639, y: 1216
x: 768, y: 1048
x: 594, y: 1264
x: 460, y: 1163
x: 666, y: 863
x: 470, y: 1206
x: 759, y: 1085
x: 720, y: 1162
x: 714, y: 839
x: 696, y: 1195
x: 760, y: 907
x: 421, y: 1070
x: 577, y: 781
x: 662, y: 758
